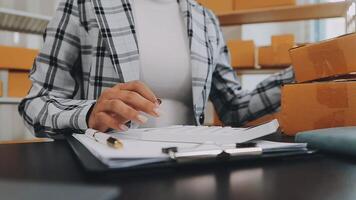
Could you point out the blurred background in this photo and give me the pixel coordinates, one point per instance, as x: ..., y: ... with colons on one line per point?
x: 23, y: 21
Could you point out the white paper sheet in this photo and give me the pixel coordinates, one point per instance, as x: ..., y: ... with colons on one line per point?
x: 200, y: 134
x: 137, y: 152
x: 132, y: 149
x: 142, y: 146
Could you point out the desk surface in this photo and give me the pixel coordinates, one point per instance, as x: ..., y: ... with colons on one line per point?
x: 317, y: 177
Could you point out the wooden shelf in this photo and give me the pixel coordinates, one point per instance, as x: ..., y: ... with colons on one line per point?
x: 10, y: 100
x: 285, y: 13
x: 19, y: 21
x: 26, y: 141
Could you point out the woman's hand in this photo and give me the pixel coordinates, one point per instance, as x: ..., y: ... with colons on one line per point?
x: 122, y: 103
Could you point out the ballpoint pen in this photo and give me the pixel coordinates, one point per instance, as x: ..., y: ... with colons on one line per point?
x: 104, y: 138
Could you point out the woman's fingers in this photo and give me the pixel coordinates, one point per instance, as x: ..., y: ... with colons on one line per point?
x: 135, y: 100
x: 139, y: 103
x: 123, y: 110
x: 140, y: 88
x: 121, y: 104
x: 122, y: 121
x: 107, y: 121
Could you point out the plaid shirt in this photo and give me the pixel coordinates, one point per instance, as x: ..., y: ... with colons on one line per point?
x: 91, y: 45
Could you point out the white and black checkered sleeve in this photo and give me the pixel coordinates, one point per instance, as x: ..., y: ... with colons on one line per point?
x: 236, y: 106
x: 54, y: 103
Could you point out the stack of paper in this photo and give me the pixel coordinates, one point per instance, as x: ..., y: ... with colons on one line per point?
x: 200, y: 134
x: 142, y: 146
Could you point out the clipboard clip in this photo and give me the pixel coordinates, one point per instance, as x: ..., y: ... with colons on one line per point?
x: 240, y: 150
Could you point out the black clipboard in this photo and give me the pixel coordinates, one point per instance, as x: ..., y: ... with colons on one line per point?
x: 91, y: 164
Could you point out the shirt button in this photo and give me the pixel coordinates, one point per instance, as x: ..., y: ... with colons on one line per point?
x: 201, y: 119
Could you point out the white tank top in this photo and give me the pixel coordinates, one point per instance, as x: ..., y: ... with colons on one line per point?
x: 165, y: 59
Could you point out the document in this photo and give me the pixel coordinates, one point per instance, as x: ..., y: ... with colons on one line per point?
x: 200, y: 134
x: 143, y: 146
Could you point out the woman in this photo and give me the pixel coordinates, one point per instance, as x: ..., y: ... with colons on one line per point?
x: 104, y: 63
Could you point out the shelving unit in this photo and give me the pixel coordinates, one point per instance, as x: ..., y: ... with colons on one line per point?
x: 22, y: 22
x: 10, y: 100
x: 285, y: 13
x: 19, y: 21
x: 288, y: 14
x: 25, y: 141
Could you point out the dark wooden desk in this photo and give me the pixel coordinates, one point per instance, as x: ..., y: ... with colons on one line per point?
x: 317, y: 177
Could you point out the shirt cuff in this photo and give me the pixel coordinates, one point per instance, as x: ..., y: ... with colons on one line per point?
x: 84, y: 113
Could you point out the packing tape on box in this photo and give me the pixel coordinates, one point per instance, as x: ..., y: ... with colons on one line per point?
x: 325, y: 57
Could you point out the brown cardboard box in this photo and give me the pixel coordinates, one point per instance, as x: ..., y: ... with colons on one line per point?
x: 325, y: 59
x: 266, y: 57
x: 16, y: 58
x: 242, y: 53
x: 219, y: 6
x: 278, y: 54
x: 18, y: 83
x: 317, y: 105
x: 253, y: 4
x: 281, y: 45
x: 283, y: 41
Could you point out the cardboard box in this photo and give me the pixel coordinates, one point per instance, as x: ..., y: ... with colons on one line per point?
x: 317, y: 105
x: 283, y: 41
x: 282, y: 44
x: 325, y: 59
x: 254, y: 4
x: 266, y: 57
x: 218, y: 6
x: 242, y: 53
x: 18, y: 83
x: 270, y: 58
x: 17, y: 58
x: 276, y: 55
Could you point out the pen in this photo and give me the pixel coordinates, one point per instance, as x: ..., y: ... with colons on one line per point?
x: 103, y: 138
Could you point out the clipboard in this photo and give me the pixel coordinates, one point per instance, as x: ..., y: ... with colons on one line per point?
x: 91, y: 164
